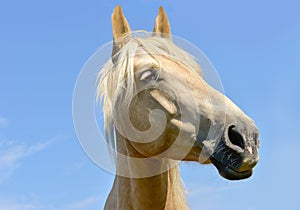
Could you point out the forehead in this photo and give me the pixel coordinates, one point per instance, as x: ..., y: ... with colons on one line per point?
x: 145, y: 61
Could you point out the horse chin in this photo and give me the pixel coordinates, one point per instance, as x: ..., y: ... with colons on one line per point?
x: 229, y: 173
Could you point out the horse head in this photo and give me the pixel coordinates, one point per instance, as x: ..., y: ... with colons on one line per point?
x: 156, y: 98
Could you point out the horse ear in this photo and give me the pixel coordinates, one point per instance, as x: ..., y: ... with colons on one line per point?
x: 119, y: 24
x: 120, y: 29
x: 162, y: 25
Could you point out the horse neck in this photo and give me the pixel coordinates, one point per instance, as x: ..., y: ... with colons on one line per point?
x: 162, y: 191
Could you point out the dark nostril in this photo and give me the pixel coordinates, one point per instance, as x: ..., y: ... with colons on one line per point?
x: 235, y: 137
x: 256, y: 140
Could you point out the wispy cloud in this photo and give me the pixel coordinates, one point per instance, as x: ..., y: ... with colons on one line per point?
x: 84, y: 204
x: 12, y: 154
x: 20, y: 202
x: 15, y: 206
x: 34, y: 203
x: 3, y: 122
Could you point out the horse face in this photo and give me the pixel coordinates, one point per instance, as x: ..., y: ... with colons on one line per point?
x: 200, y: 124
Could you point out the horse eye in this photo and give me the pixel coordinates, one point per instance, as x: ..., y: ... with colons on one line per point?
x: 149, y: 75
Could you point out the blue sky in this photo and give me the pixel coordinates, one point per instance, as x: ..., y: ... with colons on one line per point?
x: 254, y: 45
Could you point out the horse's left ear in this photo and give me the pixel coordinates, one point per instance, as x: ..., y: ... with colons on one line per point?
x: 121, y: 30
x: 120, y: 25
x: 162, y: 25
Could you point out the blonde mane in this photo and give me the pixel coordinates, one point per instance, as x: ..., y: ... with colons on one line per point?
x: 116, y: 78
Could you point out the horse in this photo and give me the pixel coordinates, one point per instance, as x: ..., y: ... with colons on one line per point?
x: 159, y: 110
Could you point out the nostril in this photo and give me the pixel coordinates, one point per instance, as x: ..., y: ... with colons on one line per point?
x: 256, y: 140
x: 235, y: 137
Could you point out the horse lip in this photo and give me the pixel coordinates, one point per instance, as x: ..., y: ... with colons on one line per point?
x: 229, y: 173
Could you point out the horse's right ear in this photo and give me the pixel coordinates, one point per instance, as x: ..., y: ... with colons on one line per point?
x: 120, y: 29
x: 162, y: 26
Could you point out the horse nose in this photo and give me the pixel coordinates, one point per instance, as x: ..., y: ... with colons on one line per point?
x: 242, y: 139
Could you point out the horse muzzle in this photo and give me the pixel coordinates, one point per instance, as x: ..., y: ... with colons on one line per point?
x: 236, y: 154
